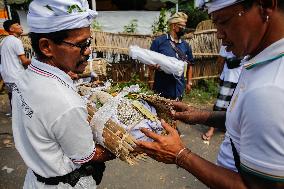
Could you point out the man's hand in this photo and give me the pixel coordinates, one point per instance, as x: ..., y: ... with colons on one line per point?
x: 164, y: 148
x: 189, y: 114
x: 102, y: 154
x: 154, y: 67
x: 188, y: 88
x: 73, y: 75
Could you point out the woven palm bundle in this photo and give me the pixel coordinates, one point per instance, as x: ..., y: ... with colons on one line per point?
x: 117, y: 140
x: 116, y: 121
x: 163, y: 106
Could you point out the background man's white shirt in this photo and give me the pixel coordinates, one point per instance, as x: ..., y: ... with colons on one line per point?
x: 12, y: 67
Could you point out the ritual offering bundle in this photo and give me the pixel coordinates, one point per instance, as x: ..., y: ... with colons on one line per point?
x: 116, y: 120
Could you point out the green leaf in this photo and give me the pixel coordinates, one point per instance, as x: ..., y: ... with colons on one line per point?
x: 73, y: 8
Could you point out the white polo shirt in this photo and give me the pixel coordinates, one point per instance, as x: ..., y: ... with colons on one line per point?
x: 255, y: 120
x: 11, y: 48
x: 50, y: 125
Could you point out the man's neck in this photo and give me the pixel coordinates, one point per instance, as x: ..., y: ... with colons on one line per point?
x: 272, y: 34
x: 14, y: 34
x: 174, y: 36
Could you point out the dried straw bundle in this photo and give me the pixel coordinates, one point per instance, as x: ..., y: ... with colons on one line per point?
x: 118, y: 141
x: 163, y: 106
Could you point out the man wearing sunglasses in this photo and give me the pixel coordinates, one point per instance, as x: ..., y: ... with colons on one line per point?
x: 50, y: 126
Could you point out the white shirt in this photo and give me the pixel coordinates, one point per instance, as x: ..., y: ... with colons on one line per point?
x: 231, y: 75
x: 50, y: 125
x: 11, y: 48
x: 255, y: 120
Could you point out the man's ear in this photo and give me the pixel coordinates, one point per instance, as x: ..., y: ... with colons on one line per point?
x: 46, y: 47
x: 268, y: 4
x: 267, y: 8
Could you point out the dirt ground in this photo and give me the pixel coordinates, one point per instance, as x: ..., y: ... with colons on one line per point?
x: 118, y: 175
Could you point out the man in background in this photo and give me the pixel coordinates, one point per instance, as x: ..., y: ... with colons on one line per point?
x: 171, y: 44
x: 13, y: 59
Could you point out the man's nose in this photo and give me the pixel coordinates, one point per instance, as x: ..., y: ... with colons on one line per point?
x: 87, y: 51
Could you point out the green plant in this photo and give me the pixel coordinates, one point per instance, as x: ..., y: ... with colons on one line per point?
x: 203, y: 93
x: 144, y: 88
x: 96, y: 25
x: 131, y: 27
x: 161, y: 24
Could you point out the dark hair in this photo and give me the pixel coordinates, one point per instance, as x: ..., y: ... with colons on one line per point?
x: 56, y: 37
x: 249, y: 3
x: 7, y: 24
x: 281, y: 4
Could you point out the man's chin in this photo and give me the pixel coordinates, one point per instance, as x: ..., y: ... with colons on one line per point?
x: 81, y: 68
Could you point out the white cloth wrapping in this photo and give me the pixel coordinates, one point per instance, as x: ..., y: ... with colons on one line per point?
x: 214, y: 5
x: 169, y: 65
x: 56, y: 15
x: 109, y: 111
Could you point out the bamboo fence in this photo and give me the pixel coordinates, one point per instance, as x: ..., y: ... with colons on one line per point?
x: 114, y: 48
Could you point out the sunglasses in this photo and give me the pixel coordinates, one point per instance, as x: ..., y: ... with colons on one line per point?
x: 83, y: 46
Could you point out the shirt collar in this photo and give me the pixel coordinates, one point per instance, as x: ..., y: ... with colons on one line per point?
x: 51, y: 71
x: 267, y: 55
x: 172, y: 39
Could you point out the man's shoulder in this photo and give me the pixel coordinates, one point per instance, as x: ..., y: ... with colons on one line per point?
x: 10, y: 41
x: 161, y: 38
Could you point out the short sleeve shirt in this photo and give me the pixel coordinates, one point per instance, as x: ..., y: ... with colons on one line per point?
x: 168, y: 85
x: 49, y: 121
x: 12, y: 67
x: 255, y: 120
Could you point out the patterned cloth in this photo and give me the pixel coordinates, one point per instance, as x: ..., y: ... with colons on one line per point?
x: 225, y: 95
x: 229, y: 79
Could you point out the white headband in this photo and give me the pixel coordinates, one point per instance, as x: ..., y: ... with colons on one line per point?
x: 56, y: 15
x: 214, y: 5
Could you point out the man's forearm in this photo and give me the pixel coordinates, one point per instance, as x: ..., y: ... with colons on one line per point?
x: 216, y: 119
x: 210, y: 174
x: 189, y: 75
x: 102, y: 154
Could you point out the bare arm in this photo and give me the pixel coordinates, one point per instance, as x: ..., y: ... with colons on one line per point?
x: 25, y: 61
x: 192, y: 115
x: 166, y: 148
x: 189, y: 79
x: 102, y: 154
x: 210, y: 174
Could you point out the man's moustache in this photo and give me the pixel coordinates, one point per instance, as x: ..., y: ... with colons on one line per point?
x: 82, y: 61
